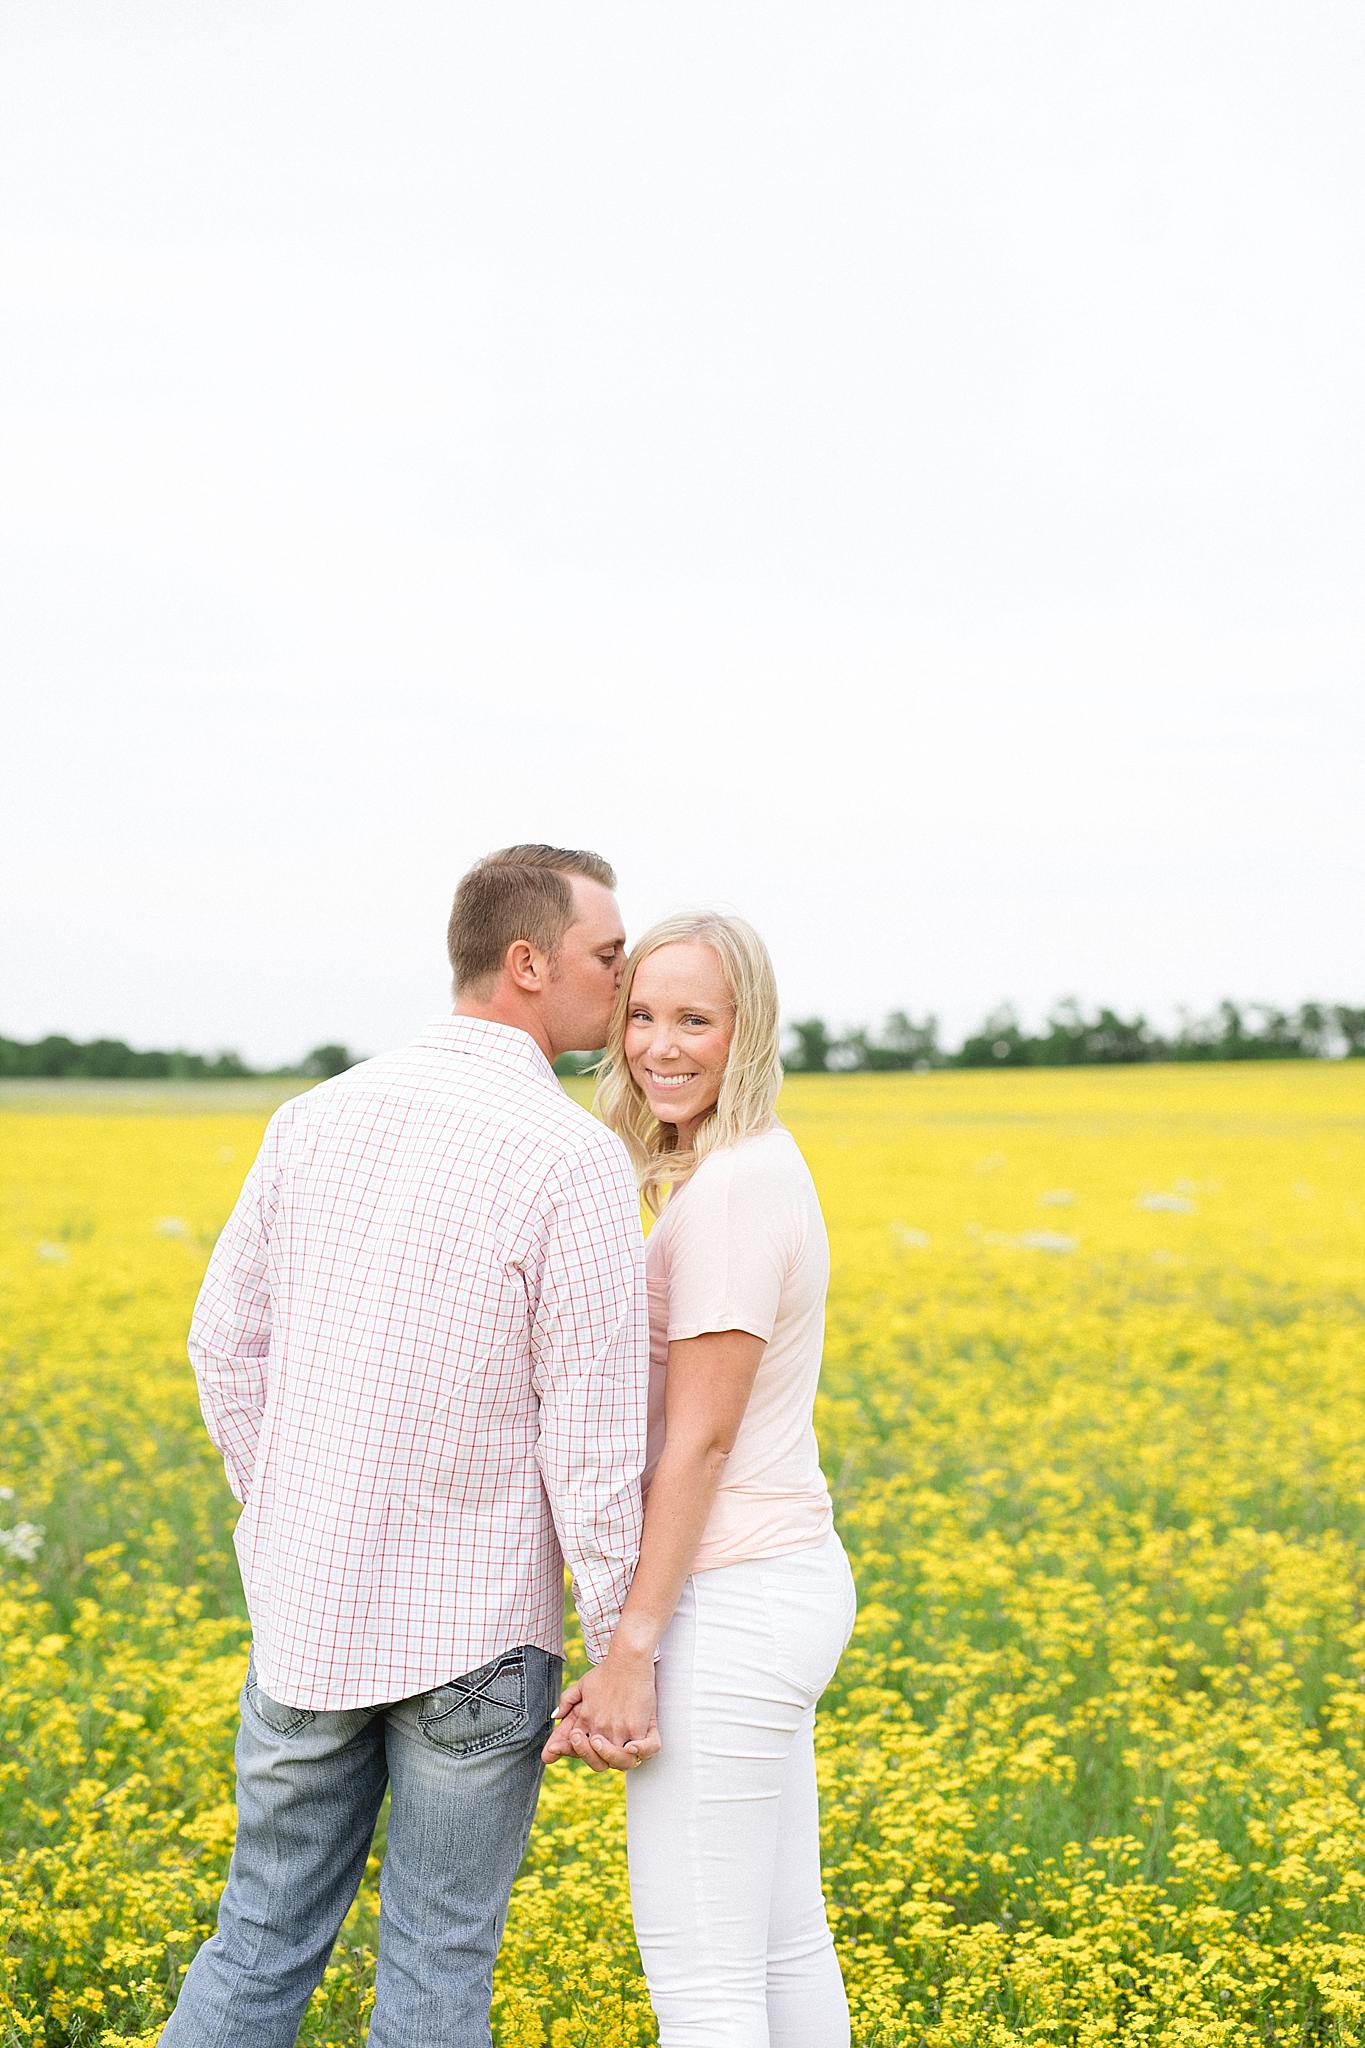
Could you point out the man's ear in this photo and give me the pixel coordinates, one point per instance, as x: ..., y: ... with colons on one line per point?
x: 520, y: 962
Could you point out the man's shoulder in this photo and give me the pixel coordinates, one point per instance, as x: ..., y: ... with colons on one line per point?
x: 587, y: 1142
x: 548, y: 1123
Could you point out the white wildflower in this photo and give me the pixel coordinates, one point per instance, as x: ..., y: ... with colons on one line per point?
x: 1048, y: 1241
x: 172, y: 1226
x: 1175, y: 1205
x: 913, y: 1240
x: 58, y: 1253
x: 1057, y: 1198
x: 22, y: 1542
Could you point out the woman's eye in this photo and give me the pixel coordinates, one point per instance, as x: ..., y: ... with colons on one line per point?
x: 696, y: 1020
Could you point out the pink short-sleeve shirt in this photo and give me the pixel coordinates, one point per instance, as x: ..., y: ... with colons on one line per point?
x: 742, y: 1246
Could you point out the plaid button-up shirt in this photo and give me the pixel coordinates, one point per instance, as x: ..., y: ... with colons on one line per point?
x: 422, y: 1348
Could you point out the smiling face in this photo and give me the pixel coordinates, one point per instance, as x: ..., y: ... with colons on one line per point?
x: 679, y: 1026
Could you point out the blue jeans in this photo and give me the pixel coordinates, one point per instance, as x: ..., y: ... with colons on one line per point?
x: 464, y: 1765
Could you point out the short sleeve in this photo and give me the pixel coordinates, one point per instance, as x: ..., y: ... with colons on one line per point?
x: 730, y: 1246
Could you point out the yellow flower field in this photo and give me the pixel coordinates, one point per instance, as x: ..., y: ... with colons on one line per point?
x: 1094, y: 1414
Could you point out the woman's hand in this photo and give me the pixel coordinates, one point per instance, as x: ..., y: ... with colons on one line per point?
x: 607, y: 1717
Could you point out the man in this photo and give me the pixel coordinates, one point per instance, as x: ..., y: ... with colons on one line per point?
x: 421, y: 1347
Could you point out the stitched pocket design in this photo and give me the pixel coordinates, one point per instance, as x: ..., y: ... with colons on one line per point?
x: 480, y: 1709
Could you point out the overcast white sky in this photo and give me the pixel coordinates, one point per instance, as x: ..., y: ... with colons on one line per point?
x: 892, y: 470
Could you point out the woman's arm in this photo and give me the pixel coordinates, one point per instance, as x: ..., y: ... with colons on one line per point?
x: 710, y: 1379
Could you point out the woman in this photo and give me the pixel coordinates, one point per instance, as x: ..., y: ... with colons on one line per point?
x: 742, y: 1585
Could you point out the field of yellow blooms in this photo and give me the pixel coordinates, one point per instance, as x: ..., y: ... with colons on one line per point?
x: 1093, y: 1768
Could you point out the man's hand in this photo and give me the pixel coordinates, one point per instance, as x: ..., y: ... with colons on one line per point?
x: 571, y: 1738
x: 566, y: 1717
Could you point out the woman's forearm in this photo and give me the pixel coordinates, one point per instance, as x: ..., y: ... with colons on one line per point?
x: 676, y: 1512
x: 710, y: 1379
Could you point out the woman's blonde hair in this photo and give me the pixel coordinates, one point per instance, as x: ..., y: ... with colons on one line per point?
x: 753, y: 1069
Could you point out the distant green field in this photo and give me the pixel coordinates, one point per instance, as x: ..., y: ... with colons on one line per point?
x: 179, y: 1098
x: 169, y: 1098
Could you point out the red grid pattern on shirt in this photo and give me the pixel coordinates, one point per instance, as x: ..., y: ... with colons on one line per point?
x: 422, y: 1348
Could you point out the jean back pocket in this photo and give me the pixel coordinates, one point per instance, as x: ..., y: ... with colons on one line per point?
x: 480, y: 1709
x: 278, y: 1718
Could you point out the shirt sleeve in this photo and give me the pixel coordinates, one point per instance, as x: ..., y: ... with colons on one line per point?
x: 730, y: 1246
x: 590, y: 1372
x: 229, y: 1340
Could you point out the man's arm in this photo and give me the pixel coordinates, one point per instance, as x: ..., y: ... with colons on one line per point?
x: 590, y: 1371
x: 230, y: 1331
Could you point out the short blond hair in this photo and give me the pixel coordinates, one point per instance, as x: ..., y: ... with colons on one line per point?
x: 753, y: 1070
x: 521, y: 892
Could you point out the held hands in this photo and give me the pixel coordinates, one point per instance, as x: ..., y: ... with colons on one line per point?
x: 606, y: 1717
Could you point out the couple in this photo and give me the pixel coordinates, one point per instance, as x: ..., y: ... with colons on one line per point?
x: 439, y: 1364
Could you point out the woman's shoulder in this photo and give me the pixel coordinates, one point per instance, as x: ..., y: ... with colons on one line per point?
x: 768, y: 1163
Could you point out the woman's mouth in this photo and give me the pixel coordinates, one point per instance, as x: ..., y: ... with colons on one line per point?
x: 669, y: 1080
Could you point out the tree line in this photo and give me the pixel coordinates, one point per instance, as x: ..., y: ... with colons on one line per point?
x: 108, y: 1059
x: 1070, y: 1038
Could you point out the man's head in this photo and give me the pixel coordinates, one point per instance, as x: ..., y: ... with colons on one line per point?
x: 535, y: 941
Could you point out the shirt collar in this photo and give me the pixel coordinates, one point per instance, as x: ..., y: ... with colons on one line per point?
x: 502, y: 1043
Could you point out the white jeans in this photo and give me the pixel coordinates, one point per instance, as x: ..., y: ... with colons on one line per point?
x: 724, y: 1823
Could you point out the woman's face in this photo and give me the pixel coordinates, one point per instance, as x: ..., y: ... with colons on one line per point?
x: 678, y: 1029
